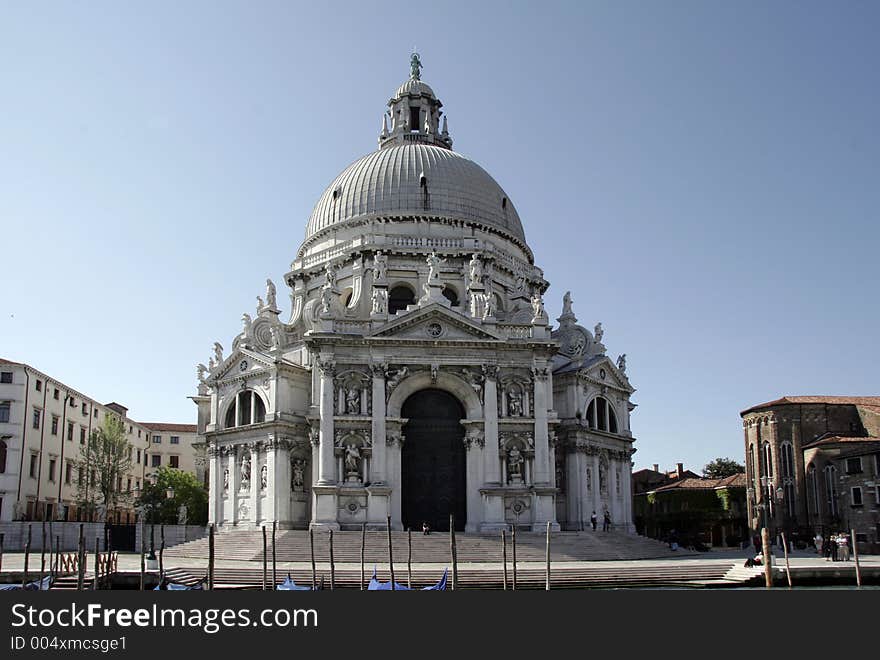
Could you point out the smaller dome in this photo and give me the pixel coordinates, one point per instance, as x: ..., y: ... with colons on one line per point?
x: 412, y: 88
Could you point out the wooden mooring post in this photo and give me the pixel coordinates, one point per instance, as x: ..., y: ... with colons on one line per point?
x: 454, y: 552
x: 787, y: 565
x: 855, y: 549
x: 81, y: 560
x: 547, y: 587
x: 409, y: 558
x: 363, y: 551
x: 390, y: 552
x: 274, y: 557
x: 312, y: 550
x: 768, y: 561
x: 504, y: 556
x: 211, y: 557
x: 332, y: 564
x: 27, y: 554
x: 95, y: 583
x: 143, y: 559
x: 265, y: 561
x: 161, y: 552
x: 513, y: 547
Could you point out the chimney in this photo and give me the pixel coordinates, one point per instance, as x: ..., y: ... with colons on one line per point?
x: 680, y: 468
x: 656, y: 467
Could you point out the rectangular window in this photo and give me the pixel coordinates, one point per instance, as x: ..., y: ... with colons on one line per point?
x: 157, y: 439
x: 128, y: 486
x: 856, y: 496
x: 52, y: 463
x: 68, y: 472
x: 33, y: 467
x: 876, y: 494
x: 6, y: 377
x: 72, y: 402
x: 96, y: 413
x: 80, y: 475
x: 84, y: 409
x: 39, y: 385
x: 175, y: 439
x: 155, y: 460
x: 174, y: 461
x: 82, y: 435
x: 854, y: 465
x: 139, y: 457
x: 36, y: 418
x: 55, y: 394
x: 70, y: 431
x: 54, y: 424
x: 129, y: 428
x: 5, y: 407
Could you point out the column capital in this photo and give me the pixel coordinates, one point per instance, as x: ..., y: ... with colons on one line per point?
x: 327, y: 367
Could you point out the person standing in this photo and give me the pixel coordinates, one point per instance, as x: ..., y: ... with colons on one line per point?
x: 843, y: 542
x: 606, y: 521
x: 818, y: 541
x: 594, y: 521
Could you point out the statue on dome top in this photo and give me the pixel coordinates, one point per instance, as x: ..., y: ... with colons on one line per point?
x: 270, y: 294
x: 566, y: 304
x: 415, y: 64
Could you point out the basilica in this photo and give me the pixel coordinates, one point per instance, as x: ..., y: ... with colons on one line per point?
x: 417, y: 376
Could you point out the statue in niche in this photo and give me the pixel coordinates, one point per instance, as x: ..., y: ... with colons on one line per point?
x: 514, y: 403
x: 476, y: 270
x: 218, y: 353
x: 398, y: 376
x: 603, y: 479
x: 352, y: 459
x: 475, y: 380
x: 621, y: 362
x: 270, y: 294
x: 380, y: 301
x: 566, y: 304
x: 434, y: 263
x: 598, y: 332
x: 537, y: 306
x: 514, y: 464
x: 264, y: 477
x: 245, y: 471
x: 226, y: 479
x: 352, y: 400
x: 297, y: 480
x: 380, y: 266
x: 589, y: 479
x: 326, y: 300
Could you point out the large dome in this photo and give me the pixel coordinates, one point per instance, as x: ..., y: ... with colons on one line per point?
x: 421, y: 180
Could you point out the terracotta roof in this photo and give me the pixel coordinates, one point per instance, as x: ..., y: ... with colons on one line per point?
x: 841, y: 439
x: 5, y: 361
x: 733, y: 480
x: 700, y: 483
x: 832, y: 400
x: 181, y: 428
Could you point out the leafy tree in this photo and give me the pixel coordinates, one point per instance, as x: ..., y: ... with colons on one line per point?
x: 104, y: 461
x: 722, y: 467
x: 188, y: 492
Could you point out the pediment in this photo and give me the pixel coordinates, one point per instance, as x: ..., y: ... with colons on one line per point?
x: 604, y: 372
x: 243, y: 363
x: 435, y: 323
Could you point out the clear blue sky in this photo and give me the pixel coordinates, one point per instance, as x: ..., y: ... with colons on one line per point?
x: 703, y: 176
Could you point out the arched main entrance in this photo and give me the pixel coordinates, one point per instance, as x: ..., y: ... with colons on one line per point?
x: 433, y: 461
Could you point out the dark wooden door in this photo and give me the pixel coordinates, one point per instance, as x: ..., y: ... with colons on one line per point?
x: 433, y: 461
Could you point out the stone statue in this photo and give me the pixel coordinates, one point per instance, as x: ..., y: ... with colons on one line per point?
x: 476, y: 270
x: 621, y: 362
x: 537, y: 306
x: 353, y: 401
x: 226, y: 479
x: 246, y: 322
x: 514, y: 403
x: 270, y: 294
x: 380, y: 301
x: 264, y: 477
x: 398, y: 376
x: 475, y: 380
x: 211, y: 365
x: 326, y: 300
x: 380, y: 266
x: 218, y: 353
x: 182, y: 514
x: 434, y: 265
x: 415, y: 65
x: 589, y: 479
x: 260, y: 304
x: 352, y: 459
x: 520, y: 286
x: 245, y: 471
x: 603, y: 479
x: 514, y: 462
x: 201, y: 370
x: 277, y: 336
x: 330, y: 275
x: 298, y: 478
x: 598, y: 332
x: 566, y: 304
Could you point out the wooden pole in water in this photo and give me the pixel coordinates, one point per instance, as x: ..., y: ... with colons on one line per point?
x: 51, y: 552
x: 265, y: 560
x: 161, y: 551
x: 513, y: 544
x: 274, y: 559
x: 765, y: 550
x: 547, y: 587
x: 43, y: 555
x: 97, y: 563
x: 454, y: 551
x: 332, y: 564
x: 504, y: 556
x: 2, y: 538
x: 80, y: 560
x: 855, y: 549
x: 363, y: 549
x: 27, y: 554
x: 312, y: 549
x: 390, y: 553
x: 787, y: 566
x: 143, y: 552
x: 210, y: 557
x: 409, y: 557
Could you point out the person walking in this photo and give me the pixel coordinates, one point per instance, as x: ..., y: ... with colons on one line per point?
x: 843, y: 543
x: 594, y: 521
x: 606, y: 521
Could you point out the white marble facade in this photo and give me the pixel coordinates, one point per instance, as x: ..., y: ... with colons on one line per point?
x: 414, y: 275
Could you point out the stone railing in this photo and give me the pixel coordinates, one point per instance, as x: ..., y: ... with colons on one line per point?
x: 424, y: 242
x: 352, y: 327
x: 515, y: 331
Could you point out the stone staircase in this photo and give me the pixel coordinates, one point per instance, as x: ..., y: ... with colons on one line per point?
x: 293, y: 546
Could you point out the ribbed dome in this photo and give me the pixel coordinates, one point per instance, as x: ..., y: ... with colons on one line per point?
x: 412, y: 87
x: 388, y: 182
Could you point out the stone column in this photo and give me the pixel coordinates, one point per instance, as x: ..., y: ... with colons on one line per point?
x: 575, y: 487
x: 278, y: 482
x: 613, y: 504
x: 326, y: 465
x: 597, y: 491
x: 543, y: 469
x: 491, y: 460
x: 473, y: 442
x: 395, y: 445
x: 377, y: 465
x: 235, y: 481
x: 627, y: 492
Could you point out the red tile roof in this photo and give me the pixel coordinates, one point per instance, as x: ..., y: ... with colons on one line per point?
x: 841, y: 439
x: 180, y: 428
x: 831, y: 400
x: 733, y: 481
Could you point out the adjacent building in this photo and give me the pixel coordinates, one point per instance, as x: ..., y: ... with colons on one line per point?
x: 813, y: 464
x: 43, y: 424
x: 177, y: 446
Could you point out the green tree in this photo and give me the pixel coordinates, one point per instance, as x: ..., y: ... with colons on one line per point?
x: 722, y: 467
x: 104, y: 461
x: 187, y: 491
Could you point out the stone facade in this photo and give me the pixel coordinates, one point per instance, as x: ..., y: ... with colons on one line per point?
x: 414, y: 277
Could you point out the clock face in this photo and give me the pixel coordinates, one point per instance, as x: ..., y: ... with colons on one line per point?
x: 243, y: 365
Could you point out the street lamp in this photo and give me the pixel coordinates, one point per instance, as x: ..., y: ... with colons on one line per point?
x: 169, y: 493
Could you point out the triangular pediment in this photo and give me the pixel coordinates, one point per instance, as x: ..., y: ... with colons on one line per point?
x: 241, y: 364
x: 603, y: 371
x: 435, y: 323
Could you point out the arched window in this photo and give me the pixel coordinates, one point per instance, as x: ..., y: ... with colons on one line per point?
x: 813, y: 489
x: 831, y: 489
x: 399, y: 298
x: 750, y: 464
x: 2, y: 456
x: 450, y: 295
x: 600, y: 415
x: 767, y: 467
x: 786, y: 470
x: 248, y: 408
